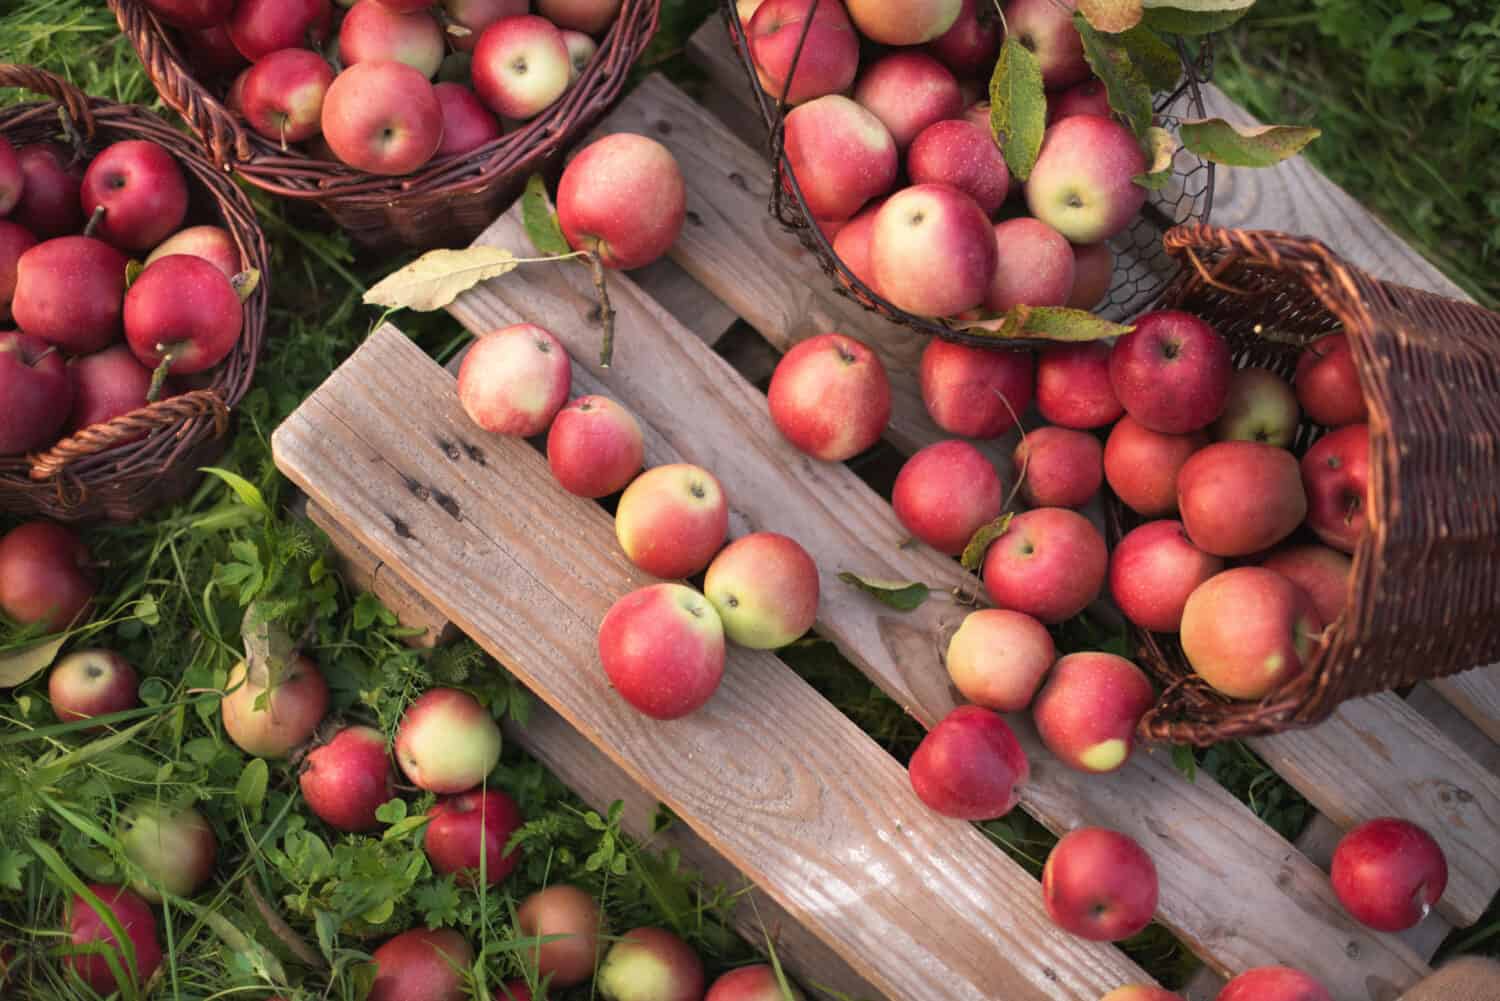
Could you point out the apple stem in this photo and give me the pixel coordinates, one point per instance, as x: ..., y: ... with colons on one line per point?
x: 1021, y: 476
x: 606, y: 311
x: 95, y: 220
x: 159, y: 377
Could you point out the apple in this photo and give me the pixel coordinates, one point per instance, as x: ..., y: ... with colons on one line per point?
x: 1336, y: 476
x: 467, y: 123
x: 904, y: 22
x: 1087, y: 98
x: 1088, y: 710
x: 662, y: 647
x: 1059, y: 467
x: 997, y: 658
x: 1249, y: 630
x: 1141, y: 992
x: 592, y: 17
x: 45, y: 575
x: 372, y: 31
x: 581, y: 51
x: 840, y: 154
x: 35, y: 393
x: 182, y: 312
x: 1327, y: 382
x: 1073, y: 388
x: 422, y: 965
x: 141, y: 191
x: 12, y: 178
x: 293, y: 708
x: 191, y: 13
x: 86, y: 927
x: 650, y: 964
x: 1274, y: 983
x: 1033, y: 266
x: 968, y: 48
x: 945, y: 493
x: 1153, y: 570
x: 282, y: 95
x: 1171, y: 372
x: 520, y: 66
x: 174, y: 847
x: 909, y: 91
x: 476, y: 15
x: 752, y: 983
x: 211, y: 52
x: 969, y: 766
x: 765, y: 588
x: 594, y: 447
x: 573, y: 922
x: 975, y: 392
x: 830, y: 397
x: 1240, y: 497
x: 383, y: 118
x: 447, y: 742
x: 471, y: 827
x: 932, y: 250
x: 962, y: 155
x: 1260, y: 407
x: 49, y: 205
x: 828, y: 58
x: 105, y: 385
x: 1050, y: 564
x: 259, y: 27
x: 1093, y: 274
x: 70, y: 292
x: 89, y: 683
x: 672, y: 519
x: 852, y: 243
x: 1100, y: 885
x: 212, y: 243
x: 513, y: 990
x: 15, y: 240
x: 622, y: 197
x: 1081, y: 184
x: 347, y: 779
x: 515, y: 380
x: 1046, y: 28
x: 1320, y: 571
x: 1388, y: 873
x: 234, y: 99
x: 1142, y: 466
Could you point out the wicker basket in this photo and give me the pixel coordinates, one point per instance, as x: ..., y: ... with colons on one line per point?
x: 1142, y: 269
x: 135, y: 463
x: 445, y: 203
x: 1424, y: 597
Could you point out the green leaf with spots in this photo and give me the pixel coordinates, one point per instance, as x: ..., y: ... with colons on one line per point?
x: 1018, y: 107
x: 1124, y: 82
x: 1259, y: 146
x: 974, y: 552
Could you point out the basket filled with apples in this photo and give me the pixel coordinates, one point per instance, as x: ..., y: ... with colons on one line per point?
x: 132, y: 305
x: 314, y: 103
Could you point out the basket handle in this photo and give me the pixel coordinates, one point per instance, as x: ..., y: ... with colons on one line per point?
x: 127, y: 427
x: 75, y: 102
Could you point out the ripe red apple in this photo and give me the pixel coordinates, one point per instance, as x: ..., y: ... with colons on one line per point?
x: 904, y: 22
x: 932, y: 250
x: 622, y: 197
x: 12, y: 178
x: 573, y: 922
x: 1388, y: 873
x: 86, y: 927
x: 1100, y: 885
x: 650, y: 964
x: 594, y: 447
x: 1142, y: 466
x: 259, y: 27
x: 35, y: 393
x: 422, y: 965
x: 1033, y: 266
x: 969, y: 766
x: 467, y: 123
x: 945, y: 493
x: 581, y: 51
x: 1141, y: 992
x: 1320, y: 571
x: 294, y: 707
x: 1240, y: 497
x: 1087, y: 98
x: 672, y: 519
x: 520, y: 66
x: 282, y: 95
x: 961, y: 155
x: 1050, y: 564
x: 191, y: 13
x: 234, y: 99
x: 1152, y: 571
x: 590, y: 16
x: 752, y: 983
x: 514, y: 380
x: 1260, y: 407
x: 1274, y: 983
x: 1171, y: 372
x: 70, y: 292
x: 383, y: 118
x: 1082, y: 183
x: 211, y: 52
x: 89, y: 683
x: 105, y: 385
x: 662, y: 647
x: 372, y: 31
x: 513, y: 990
x: 45, y: 575
x: 15, y: 240
x: 1089, y: 708
x: 765, y: 588
x: 997, y: 658
x: 183, y: 312
x: 908, y: 91
x: 968, y: 48
x: 1093, y: 274
x: 173, y: 846
x: 141, y: 190
x: 1327, y: 382
x: 1059, y: 467
x: 447, y: 742
x: 1046, y: 28
x: 212, y: 243
x: 830, y: 397
x: 841, y: 155
x: 1336, y: 476
x: 347, y: 779
x: 1249, y: 630
x: 49, y: 205
x: 466, y: 828
x: 828, y: 58
x: 852, y: 242
x: 975, y: 392
x: 476, y: 15
x: 1072, y: 386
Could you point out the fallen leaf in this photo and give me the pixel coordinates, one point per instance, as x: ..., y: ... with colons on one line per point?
x: 438, y: 277
x: 974, y: 552
x: 1047, y: 323
x: 22, y: 664
x: 898, y: 594
x: 1259, y: 146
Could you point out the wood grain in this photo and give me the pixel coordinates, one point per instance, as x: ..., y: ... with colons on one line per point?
x: 695, y: 307
x: 1476, y: 694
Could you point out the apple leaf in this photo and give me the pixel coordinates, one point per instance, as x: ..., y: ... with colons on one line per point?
x: 540, y: 219
x: 244, y: 947
x: 1158, y: 62
x: 1018, y: 107
x: 1161, y: 146
x: 245, y: 283
x: 133, y: 269
x: 1260, y: 146
x: 1184, y: 761
x: 903, y: 596
x: 973, y: 555
x: 1048, y: 323
x: 1129, y: 93
x: 24, y: 663
x: 438, y: 277
x: 1113, y: 16
x: 1194, y: 17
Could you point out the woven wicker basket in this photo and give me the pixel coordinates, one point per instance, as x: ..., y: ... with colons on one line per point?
x: 445, y: 203
x: 1424, y: 597
x: 129, y: 466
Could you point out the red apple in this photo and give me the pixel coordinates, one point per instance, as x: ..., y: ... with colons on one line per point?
x: 211, y: 52
x: 347, y: 779
x: 765, y: 588
x: 234, y: 100
x: 45, y: 575
x: 1050, y: 564
x: 662, y: 647
x: 1141, y: 992
x: 997, y: 658
x: 212, y: 243
x: 904, y: 22
x: 825, y: 62
x: 1072, y: 386
x: 513, y: 990
x: 371, y: 32
x: 852, y: 243
x: 1336, y: 476
x: 476, y: 15
x: 1082, y: 183
x: 1322, y: 572
x: 1142, y: 466
x: 932, y: 251
x: 975, y: 392
x: 447, y: 742
x: 1274, y: 983
x: 969, y: 47
x: 1046, y: 28
x: 1172, y: 372
x: 840, y: 154
x: 1260, y: 407
x: 969, y: 766
x: 191, y: 13
x: 830, y: 397
x: 752, y: 983
x: 15, y: 240
x: 70, y: 292
x: 520, y: 66
x: 590, y: 16
x: 1388, y: 873
x: 473, y: 826
x: 1153, y: 570
x: 594, y: 447
x: 106, y: 385
x: 141, y: 191
x: 672, y: 519
x: 1327, y: 382
x: 1093, y: 274
x: 383, y: 118
x: 49, y: 205
x: 260, y: 27
x: 292, y: 710
x: 12, y: 177
x: 282, y: 95
x: 1033, y: 266
x: 962, y: 155
x: 945, y: 493
x: 1059, y: 467
x: 1087, y: 98
x: 422, y: 965
x: 89, y: 683
x: 1249, y: 630
x: 174, y: 847
x: 908, y: 91
x: 622, y: 197
x: 467, y: 123
x: 515, y: 380
x: 650, y: 964
x: 182, y: 312
x: 35, y: 393
x: 1240, y: 497
x: 573, y: 922
x: 86, y: 927
x: 581, y: 51
x: 1089, y: 708
x: 1100, y: 885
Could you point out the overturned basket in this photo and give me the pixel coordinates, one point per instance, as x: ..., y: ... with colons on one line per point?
x: 129, y: 466
x: 445, y: 203
x: 1424, y: 598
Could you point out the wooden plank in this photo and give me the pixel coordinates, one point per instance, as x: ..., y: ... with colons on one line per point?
x: 695, y: 307
x: 1476, y: 694
x: 926, y: 908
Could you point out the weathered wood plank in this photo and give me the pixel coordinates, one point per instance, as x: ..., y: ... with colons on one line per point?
x: 695, y: 307
x: 1476, y: 694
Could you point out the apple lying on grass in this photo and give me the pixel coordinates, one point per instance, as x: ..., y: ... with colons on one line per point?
x: 945, y: 493
x: 572, y: 924
x: 830, y: 397
x: 1248, y: 631
x: 594, y: 447
x: 472, y: 827
x: 975, y: 392
x: 672, y: 519
x: 662, y: 647
x: 1388, y: 873
x: 89, y: 683
x: 765, y: 588
x: 347, y: 779
x: 1274, y: 983
x: 650, y: 964
x: 422, y: 965
x: 139, y: 193
x: 622, y: 197
x: 174, y: 847
x: 997, y: 658
x: 969, y: 766
x: 36, y: 394
x: 447, y: 742
x: 514, y: 380
x: 752, y: 983
x: 293, y: 708
x: 1058, y: 467
x: 1100, y: 885
x: 1050, y: 564
x: 513, y: 990
x: 1088, y: 710
x: 87, y: 927
x: 45, y: 575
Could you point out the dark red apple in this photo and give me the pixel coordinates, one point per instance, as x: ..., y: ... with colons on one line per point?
x: 45, y: 575
x: 70, y: 292
x: 15, y: 240
x: 1327, y: 382
x: 470, y: 826
x: 970, y: 766
x: 49, y: 204
x: 182, y: 311
x: 12, y: 178
x: 513, y: 990
x: 422, y: 965
x: 1388, y: 873
x: 1100, y: 885
x: 1336, y: 477
x: 89, y: 683
x: 211, y: 52
x: 140, y: 189
x: 260, y: 27
x: 86, y: 927
x: 35, y: 393
x: 968, y: 48
x: 467, y: 123
x: 1171, y: 373
x: 347, y: 779
x: 191, y: 13
x: 106, y: 385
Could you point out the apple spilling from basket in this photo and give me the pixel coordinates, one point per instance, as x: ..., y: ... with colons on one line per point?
x: 95, y: 339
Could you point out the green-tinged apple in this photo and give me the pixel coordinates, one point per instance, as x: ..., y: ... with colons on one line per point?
x: 840, y: 154
x: 1320, y: 571
x: 592, y: 17
x: 1240, y: 497
x: 1093, y: 274
x: 594, y: 447
x: 975, y: 392
x: 1248, y: 631
x: 572, y: 922
x: 908, y: 91
x: 372, y: 31
x: 15, y: 240
x: 852, y: 244
x: 581, y: 51
x: 997, y: 658
x: 382, y: 117
x: 182, y: 312
x: 520, y: 66
x: 1336, y: 477
x: 1072, y: 386
x: 87, y: 928
x: 477, y: 15
x: 35, y: 393
x: 447, y: 742
x: 1260, y: 407
x: 347, y: 779
x: 1274, y: 983
x: 282, y: 95
x: 825, y: 61
x: 765, y: 588
x: 139, y: 192
x: 1153, y: 570
x: 672, y: 519
x: 1050, y: 564
x: 49, y: 205
x: 1088, y: 98
x: 1172, y: 372
x: 46, y: 575
x: 969, y: 766
x: 1388, y: 873
x: 471, y: 828
x: 422, y: 965
x: 1327, y: 382
x: 650, y: 964
x: 1082, y: 183
x: 962, y: 155
x: 904, y: 22
x: 192, y: 13
x: 290, y: 715
x: 515, y: 380
x: 259, y: 27
x: 173, y: 846
x: 1100, y: 885
x: 1142, y: 466
x: 622, y: 197
x: 70, y: 291
x: 1033, y: 266
x: 89, y: 683
x: 968, y: 48
x: 945, y: 493
x: 12, y: 178
x: 1046, y: 28
x: 1088, y: 710
x: 752, y: 983
x: 830, y: 397
x: 662, y: 647
x: 1058, y: 467
x: 106, y: 385
x: 212, y: 243
x: 932, y: 251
